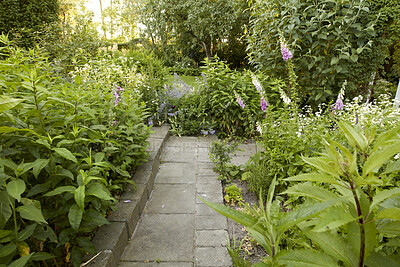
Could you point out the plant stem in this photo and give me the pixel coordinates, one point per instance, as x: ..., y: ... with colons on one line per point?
x: 37, y: 103
x: 361, y: 225
x: 15, y: 222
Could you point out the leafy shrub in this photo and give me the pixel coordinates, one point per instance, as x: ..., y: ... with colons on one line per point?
x: 67, y: 147
x: 23, y: 19
x: 133, y: 70
x: 286, y: 137
x: 332, y: 41
x: 349, y: 213
x: 220, y: 154
x: 224, y: 88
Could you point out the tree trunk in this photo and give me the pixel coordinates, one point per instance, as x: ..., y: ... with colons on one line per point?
x: 207, y: 49
x: 102, y: 19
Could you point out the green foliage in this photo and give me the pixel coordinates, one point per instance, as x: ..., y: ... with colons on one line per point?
x: 357, y: 172
x: 234, y: 252
x: 233, y: 195
x: 331, y: 41
x: 196, y: 29
x: 348, y: 209
x: 287, y: 136
x: 22, y: 19
x: 67, y: 147
x: 71, y: 44
x: 220, y: 153
x: 223, y: 86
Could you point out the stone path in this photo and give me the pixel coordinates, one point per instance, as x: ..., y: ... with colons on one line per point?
x: 176, y: 228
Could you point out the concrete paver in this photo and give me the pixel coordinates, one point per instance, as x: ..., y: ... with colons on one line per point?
x: 164, y: 237
x: 176, y: 228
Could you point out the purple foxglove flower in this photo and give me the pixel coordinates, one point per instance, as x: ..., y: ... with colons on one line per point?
x: 263, y: 104
x: 240, y: 102
x: 338, y: 105
x: 286, y: 54
x: 116, y: 98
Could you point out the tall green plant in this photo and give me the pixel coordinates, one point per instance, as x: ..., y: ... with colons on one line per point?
x: 66, y: 148
x: 349, y: 212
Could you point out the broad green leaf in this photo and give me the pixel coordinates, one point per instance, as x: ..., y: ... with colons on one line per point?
x: 15, y: 188
x: 88, y: 111
x: 6, y: 129
x: 44, y: 232
x: 379, y: 157
x: 379, y: 260
x: 392, y: 213
x: 86, y: 243
x: 334, y: 245
x: 312, y: 191
x: 263, y: 239
x: 80, y: 196
x: 5, y: 233
x: 75, y: 215
x: 385, y: 137
x: 306, y: 258
x: 61, y: 101
x: 30, y: 212
x: 7, y: 103
x: 393, y: 166
x: 27, y: 232
x: 65, y: 153
x: 38, y: 165
x: 239, y: 217
x: 98, y: 190
x: 21, y: 262
x: 333, y: 218
x: 383, y: 195
x: 334, y: 60
x: 355, y: 138
x: 8, y: 249
x: 313, y: 177
x: 5, y: 208
x: 303, y: 213
x: 270, y: 196
x: 61, y: 189
x: 99, y: 157
x: 389, y: 227
x: 41, y: 256
x: 323, y: 164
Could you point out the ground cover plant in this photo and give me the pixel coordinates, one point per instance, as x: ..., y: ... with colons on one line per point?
x: 69, y: 144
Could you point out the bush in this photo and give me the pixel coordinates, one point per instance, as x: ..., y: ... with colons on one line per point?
x: 286, y: 138
x: 67, y: 148
x: 225, y: 89
x: 332, y: 41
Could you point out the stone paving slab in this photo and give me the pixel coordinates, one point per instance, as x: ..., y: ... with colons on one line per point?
x: 165, y: 237
x: 211, y: 222
x: 212, y: 256
x: 178, y: 154
x: 180, y: 173
x: 211, y: 238
x: 156, y: 264
x: 167, y: 198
